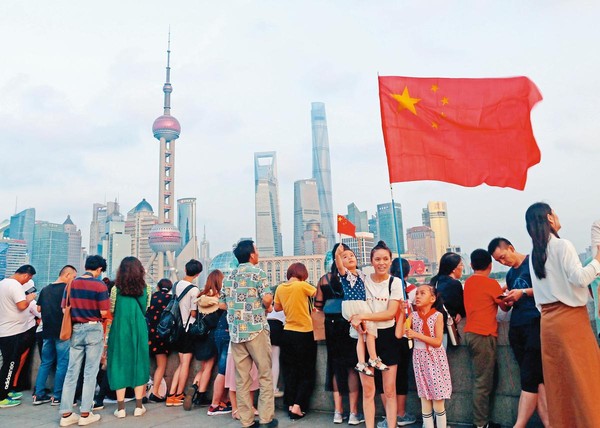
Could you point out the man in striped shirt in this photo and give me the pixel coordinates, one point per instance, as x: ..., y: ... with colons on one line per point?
x: 90, y: 303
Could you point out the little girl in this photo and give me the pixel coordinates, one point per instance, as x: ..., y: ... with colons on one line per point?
x: 354, y: 302
x: 432, y: 374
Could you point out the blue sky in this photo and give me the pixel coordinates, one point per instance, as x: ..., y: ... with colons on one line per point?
x: 81, y: 84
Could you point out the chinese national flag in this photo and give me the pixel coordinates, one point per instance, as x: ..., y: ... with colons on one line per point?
x: 461, y: 131
x: 345, y: 227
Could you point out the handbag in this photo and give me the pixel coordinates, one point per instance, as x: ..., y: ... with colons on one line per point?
x: 333, y: 306
x: 66, y: 328
x: 453, y: 336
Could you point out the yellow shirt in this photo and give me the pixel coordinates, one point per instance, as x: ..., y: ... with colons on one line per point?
x: 293, y: 296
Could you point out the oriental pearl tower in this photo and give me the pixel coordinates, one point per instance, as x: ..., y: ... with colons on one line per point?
x: 165, y: 238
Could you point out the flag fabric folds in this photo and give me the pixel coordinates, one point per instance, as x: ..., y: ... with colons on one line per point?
x: 461, y: 131
x: 345, y: 227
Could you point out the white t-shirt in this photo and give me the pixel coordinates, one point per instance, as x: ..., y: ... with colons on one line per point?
x: 378, y: 296
x: 12, y: 320
x: 188, y: 303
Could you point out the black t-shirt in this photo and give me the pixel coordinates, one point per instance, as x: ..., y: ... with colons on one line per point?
x: 49, y: 300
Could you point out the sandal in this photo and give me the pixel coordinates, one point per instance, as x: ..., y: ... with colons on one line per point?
x: 364, y: 369
x: 378, y: 364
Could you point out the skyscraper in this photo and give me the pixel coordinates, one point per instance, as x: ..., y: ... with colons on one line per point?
x: 386, y: 229
x: 115, y: 244
x: 358, y: 218
x: 306, y: 209
x: 362, y: 246
x: 138, y: 224
x: 266, y: 193
x: 186, y: 221
x: 322, y: 169
x: 75, y: 251
x: 313, y: 240
x: 100, y: 212
x: 436, y: 217
x: 420, y: 241
x: 50, y: 251
x: 22, y: 227
x: 165, y: 238
x: 13, y: 254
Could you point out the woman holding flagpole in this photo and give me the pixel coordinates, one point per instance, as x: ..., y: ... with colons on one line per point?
x: 384, y: 296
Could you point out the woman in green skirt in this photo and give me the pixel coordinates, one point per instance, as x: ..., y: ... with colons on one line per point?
x: 128, y: 354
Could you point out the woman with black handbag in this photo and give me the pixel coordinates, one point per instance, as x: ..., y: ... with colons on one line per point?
x: 340, y: 377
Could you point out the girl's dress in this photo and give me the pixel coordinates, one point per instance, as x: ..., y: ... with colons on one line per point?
x: 355, y: 300
x: 432, y: 373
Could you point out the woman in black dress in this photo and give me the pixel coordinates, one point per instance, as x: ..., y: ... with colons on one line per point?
x: 158, y: 348
x: 341, y: 378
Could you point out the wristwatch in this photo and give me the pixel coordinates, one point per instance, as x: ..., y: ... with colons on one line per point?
x: 524, y: 292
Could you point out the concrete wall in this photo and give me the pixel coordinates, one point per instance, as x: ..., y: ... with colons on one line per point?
x: 504, y: 402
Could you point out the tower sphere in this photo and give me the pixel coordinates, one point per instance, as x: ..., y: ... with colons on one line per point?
x: 164, y: 237
x: 166, y: 126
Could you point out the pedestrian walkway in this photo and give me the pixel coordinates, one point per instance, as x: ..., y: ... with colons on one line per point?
x: 158, y: 415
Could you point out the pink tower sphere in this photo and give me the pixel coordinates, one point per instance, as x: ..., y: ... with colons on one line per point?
x: 164, y: 237
x: 166, y: 126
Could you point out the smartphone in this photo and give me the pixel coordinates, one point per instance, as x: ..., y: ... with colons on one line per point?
x: 31, y: 290
x: 502, y: 296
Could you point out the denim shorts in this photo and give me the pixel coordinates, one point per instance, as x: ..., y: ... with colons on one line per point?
x: 222, y: 344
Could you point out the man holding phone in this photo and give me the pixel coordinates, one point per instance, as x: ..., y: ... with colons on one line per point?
x: 524, y: 333
x: 13, y: 327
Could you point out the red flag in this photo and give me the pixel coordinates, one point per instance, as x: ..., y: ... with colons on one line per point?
x: 461, y: 131
x: 345, y: 227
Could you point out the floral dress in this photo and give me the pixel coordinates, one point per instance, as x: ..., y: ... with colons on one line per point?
x: 160, y: 300
x: 432, y: 373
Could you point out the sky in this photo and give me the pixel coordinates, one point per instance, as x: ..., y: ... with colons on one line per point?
x: 81, y: 84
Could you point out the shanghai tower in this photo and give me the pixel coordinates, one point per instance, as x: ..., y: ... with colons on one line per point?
x: 322, y: 169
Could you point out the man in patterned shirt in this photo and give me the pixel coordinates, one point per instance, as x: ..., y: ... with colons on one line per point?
x: 247, y: 297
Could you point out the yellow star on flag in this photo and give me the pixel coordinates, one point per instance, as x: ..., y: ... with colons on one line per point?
x: 405, y: 101
x: 445, y: 101
x: 434, y: 88
x: 434, y: 125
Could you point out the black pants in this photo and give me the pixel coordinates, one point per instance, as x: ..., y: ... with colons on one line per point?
x: 10, y: 347
x: 298, y: 361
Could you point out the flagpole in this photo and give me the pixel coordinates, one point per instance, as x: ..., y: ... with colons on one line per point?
x: 397, y: 232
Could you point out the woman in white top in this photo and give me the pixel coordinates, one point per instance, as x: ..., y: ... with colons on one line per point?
x: 384, y: 296
x: 570, y: 354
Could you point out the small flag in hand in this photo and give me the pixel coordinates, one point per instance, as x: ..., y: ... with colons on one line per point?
x: 345, y: 227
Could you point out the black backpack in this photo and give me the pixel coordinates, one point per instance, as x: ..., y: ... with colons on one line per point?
x: 170, y: 325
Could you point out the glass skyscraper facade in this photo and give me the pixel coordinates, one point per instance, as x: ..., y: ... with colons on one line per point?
x: 22, y: 227
x: 386, y: 229
x: 266, y: 191
x: 322, y: 169
x: 306, y: 209
x: 50, y: 251
x: 358, y: 218
x: 186, y: 220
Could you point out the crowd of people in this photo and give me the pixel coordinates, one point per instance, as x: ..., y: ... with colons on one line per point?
x: 375, y: 326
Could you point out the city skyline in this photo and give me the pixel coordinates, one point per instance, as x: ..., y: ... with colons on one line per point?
x: 80, y: 95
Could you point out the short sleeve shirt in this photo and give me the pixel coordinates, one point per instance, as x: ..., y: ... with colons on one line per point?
x: 12, y: 320
x: 188, y: 303
x: 378, y: 297
x: 293, y: 296
x: 524, y: 309
x: 353, y: 285
x: 89, y: 296
x: 49, y: 300
x: 480, y: 303
x: 242, y: 292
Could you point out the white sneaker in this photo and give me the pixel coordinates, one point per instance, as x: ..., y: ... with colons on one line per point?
x: 355, y: 419
x: 139, y: 411
x: 73, y: 418
x: 338, y: 418
x: 91, y: 418
x: 120, y: 413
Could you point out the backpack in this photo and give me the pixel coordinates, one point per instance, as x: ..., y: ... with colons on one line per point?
x: 170, y: 325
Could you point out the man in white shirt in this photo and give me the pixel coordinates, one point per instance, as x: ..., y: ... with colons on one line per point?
x: 13, y: 326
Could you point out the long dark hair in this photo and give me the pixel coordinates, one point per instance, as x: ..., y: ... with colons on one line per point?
x: 130, y: 277
x: 539, y: 228
x: 448, y: 263
x: 334, y: 281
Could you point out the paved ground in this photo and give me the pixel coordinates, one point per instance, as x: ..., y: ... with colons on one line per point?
x: 158, y: 415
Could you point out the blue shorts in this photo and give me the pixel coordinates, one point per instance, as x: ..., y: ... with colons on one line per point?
x: 222, y: 344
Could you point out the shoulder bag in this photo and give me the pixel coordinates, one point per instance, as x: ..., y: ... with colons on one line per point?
x: 333, y: 306
x: 66, y: 328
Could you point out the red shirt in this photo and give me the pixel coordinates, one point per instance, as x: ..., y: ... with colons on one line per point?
x: 89, y: 296
x: 480, y: 303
